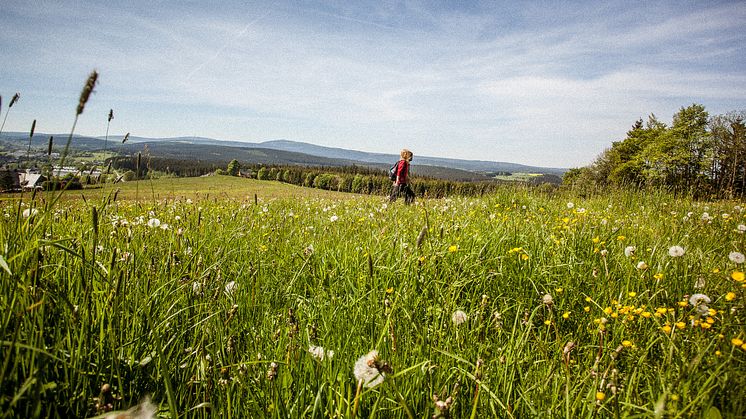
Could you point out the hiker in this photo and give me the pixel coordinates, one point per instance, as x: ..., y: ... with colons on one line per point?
x: 401, y: 184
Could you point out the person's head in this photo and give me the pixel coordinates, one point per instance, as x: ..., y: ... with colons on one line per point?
x: 406, y: 154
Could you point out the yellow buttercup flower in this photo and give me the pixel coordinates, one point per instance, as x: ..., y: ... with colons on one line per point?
x: 452, y: 248
x: 737, y: 276
x: 730, y: 296
x: 600, y: 396
x: 736, y: 342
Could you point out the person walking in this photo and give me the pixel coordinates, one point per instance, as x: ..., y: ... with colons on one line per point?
x: 401, y: 184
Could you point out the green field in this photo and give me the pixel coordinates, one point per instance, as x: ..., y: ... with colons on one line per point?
x: 517, y: 304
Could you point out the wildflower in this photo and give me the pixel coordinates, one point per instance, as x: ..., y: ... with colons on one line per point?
x: 547, y: 322
x: 632, y: 294
x: 547, y: 300
x: 666, y: 328
x: 145, y: 410
x: 320, y: 353
x: 570, y: 205
x: 272, y: 371
x: 675, y: 251
x: 730, y: 296
x: 369, y: 369
x: 736, y: 257
x: 736, y: 342
x: 30, y: 212
x: 741, y: 228
x: 737, y: 276
x: 627, y: 343
x: 566, y: 315
x: 700, y: 301
x: 452, y: 248
x: 458, y: 317
x: 600, y: 396
x: 680, y: 325
x: 154, y: 223
x: 641, y: 265
x: 629, y: 251
x: 658, y: 276
x: 333, y: 218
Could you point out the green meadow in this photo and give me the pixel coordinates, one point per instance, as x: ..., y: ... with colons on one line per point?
x: 228, y: 297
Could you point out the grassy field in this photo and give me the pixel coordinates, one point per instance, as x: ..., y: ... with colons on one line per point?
x: 199, y: 302
x: 200, y: 188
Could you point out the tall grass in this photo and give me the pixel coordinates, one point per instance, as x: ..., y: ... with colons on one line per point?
x: 210, y: 307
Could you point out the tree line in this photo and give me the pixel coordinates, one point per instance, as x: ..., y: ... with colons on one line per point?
x: 354, y: 179
x: 697, y: 154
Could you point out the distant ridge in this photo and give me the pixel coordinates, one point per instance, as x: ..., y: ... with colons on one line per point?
x: 202, y: 148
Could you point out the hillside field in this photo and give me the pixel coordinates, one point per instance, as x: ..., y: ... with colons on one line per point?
x: 198, y: 301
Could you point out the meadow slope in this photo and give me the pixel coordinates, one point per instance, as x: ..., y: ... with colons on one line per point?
x: 311, y: 304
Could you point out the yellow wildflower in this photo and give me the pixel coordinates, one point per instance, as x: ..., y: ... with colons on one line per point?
x: 680, y: 325
x: 600, y: 396
x: 736, y: 342
x: 730, y: 296
x: 666, y: 328
x: 737, y: 276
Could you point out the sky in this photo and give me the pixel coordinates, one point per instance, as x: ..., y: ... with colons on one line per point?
x: 548, y: 84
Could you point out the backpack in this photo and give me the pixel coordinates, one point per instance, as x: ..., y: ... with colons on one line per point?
x: 393, y: 170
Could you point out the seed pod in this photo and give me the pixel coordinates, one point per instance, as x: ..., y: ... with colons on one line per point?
x: 13, y: 100
x: 111, y: 114
x: 33, y: 127
x: 126, y: 137
x: 49, y: 145
x: 86, y: 92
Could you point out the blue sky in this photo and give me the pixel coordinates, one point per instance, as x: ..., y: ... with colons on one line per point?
x: 541, y: 83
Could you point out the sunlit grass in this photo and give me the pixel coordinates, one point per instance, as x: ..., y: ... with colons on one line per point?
x: 514, y: 305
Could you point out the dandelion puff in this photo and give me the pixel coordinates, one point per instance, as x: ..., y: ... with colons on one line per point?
x: 30, y: 212
x: 366, y: 370
x: 629, y: 251
x: 145, y: 410
x: 547, y: 300
x: 741, y: 228
x: 700, y: 301
x: 570, y: 205
x: 736, y: 257
x: 458, y: 317
x: 641, y: 265
x: 320, y: 353
x: 676, y: 251
x: 154, y: 223
x: 333, y: 218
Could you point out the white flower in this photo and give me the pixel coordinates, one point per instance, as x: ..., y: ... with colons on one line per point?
x: 547, y: 299
x: 697, y: 299
x: 736, y: 257
x: 675, y: 251
x: 333, y: 218
x: 154, y: 222
x: 705, y: 217
x: 458, y: 317
x: 580, y: 210
x: 741, y: 228
x: 604, y: 252
x: 641, y: 265
x: 30, y: 212
x: 700, y: 301
x: 230, y: 287
x: 629, y: 251
x: 570, y: 205
x: 366, y: 371
x: 320, y: 353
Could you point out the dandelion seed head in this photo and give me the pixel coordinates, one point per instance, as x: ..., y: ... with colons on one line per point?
x: 154, y: 223
x: 736, y: 257
x: 366, y: 371
x: 641, y: 265
x: 458, y: 317
x: 547, y: 299
x: 676, y: 251
x: 629, y: 251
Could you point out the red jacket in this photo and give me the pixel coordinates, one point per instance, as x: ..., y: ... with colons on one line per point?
x: 402, y: 172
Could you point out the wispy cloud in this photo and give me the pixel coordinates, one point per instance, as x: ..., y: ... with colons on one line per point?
x: 518, y: 82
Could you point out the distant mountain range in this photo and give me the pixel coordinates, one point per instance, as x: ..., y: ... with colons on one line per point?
x: 278, y: 152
